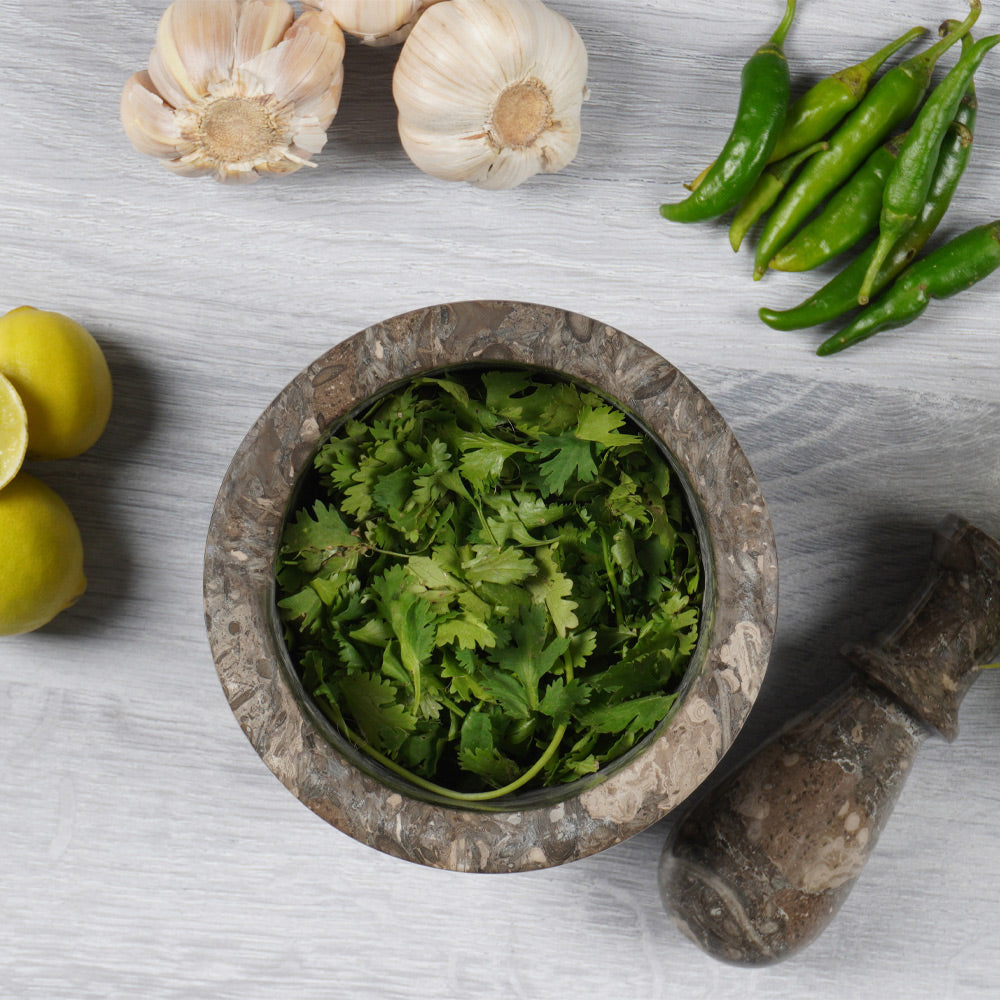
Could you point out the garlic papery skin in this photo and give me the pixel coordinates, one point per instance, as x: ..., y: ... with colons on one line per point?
x: 236, y: 88
x: 491, y: 91
x: 374, y: 22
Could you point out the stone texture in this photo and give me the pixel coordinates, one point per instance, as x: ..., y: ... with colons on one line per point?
x: 930, y: 658
x: 537, y: 829
x: 757, y: 870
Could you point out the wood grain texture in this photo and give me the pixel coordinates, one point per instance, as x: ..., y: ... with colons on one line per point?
x: 145, y: 850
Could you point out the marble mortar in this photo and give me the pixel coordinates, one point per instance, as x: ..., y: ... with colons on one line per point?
x: 531, y: 830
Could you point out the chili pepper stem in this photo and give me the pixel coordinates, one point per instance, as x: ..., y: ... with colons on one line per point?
x: 873, y: 63
x: 778, y: 38
x: 890, y: 230
x: 957, y: 33
x: 696, y: 183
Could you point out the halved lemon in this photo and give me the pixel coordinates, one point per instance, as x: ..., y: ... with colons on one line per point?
x: 13, y: 431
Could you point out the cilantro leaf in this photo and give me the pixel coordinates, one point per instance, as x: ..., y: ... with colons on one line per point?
x: 550, y: 409
x: 528, y: 658
x: 601, y: 423
x: 516, y: 521
x: 393, y: 489
x: 637, y: 714
x: 503, y: 689
x: 501, y: 389
x: 467, y: 632
x: 490, y: 765
x: 625, y: 557
x: 319, y: 542
x: 571, y: 458
x: 625, y: 504
x: 411, y: 619
x: 563, y: 698
x: 483, y: 457
x: 374, y: 705
x: 551, y: 587
x: 492, y: 565
x: 431, y: 576
x: 303, y: 607
x: 462, y: 683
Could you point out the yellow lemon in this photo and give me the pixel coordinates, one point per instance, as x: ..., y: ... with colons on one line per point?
x: 62, y: 377
x: 41, y: 555
x: 13, y: 431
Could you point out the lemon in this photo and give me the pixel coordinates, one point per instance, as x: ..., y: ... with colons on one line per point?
x: 62, y: 377
x: 13, y: 431
x: 41, y: 555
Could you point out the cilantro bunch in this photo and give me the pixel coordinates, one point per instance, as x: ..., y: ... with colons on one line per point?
x: 494, y: 583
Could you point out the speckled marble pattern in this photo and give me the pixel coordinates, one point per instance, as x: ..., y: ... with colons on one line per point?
x: 930, y: 658
x: 757, y: 870
x: 539, y: 829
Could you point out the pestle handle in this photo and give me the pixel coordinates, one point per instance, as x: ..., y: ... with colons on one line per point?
x: 930, y: 658
x: 758, y: 868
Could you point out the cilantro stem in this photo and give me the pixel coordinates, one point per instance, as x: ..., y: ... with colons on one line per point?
x: 609, y: 570
x: 482, y: 520
x: 449, y: 793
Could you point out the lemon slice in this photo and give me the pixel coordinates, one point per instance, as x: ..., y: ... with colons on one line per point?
x: 13, y: 431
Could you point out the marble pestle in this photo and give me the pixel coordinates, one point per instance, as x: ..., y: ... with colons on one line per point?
x: 759, y: 867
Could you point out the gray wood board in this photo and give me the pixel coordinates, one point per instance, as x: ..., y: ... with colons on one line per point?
x: 146, y: 849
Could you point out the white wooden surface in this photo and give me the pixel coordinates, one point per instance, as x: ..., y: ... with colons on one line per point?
x: 145, y: 851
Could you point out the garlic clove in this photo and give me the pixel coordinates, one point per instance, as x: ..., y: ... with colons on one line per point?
x: 149, y: 122
x: 374, y: 22
x: 195, y: 45
x: 306, y: 67
x: 262, y: 25
x: 490, y: 91
x: 455, y: 157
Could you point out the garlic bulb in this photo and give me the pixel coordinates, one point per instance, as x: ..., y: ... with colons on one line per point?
x: 490, y: 91
x: 236, y: 88
x: 375, y: 22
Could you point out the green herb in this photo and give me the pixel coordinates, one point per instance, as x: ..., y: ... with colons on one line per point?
x: 494, y: 585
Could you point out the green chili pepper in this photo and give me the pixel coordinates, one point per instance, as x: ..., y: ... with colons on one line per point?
x: 823, y: 106
x: 950, y: 269
x: 766, y: 192
x: 891, y: 101
x: 850, y: 213
x: 910, y: 179
x: 761, y: 113
x: 840, y: 294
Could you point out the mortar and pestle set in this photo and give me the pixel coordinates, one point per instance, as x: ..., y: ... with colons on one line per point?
x: 756, y: 869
